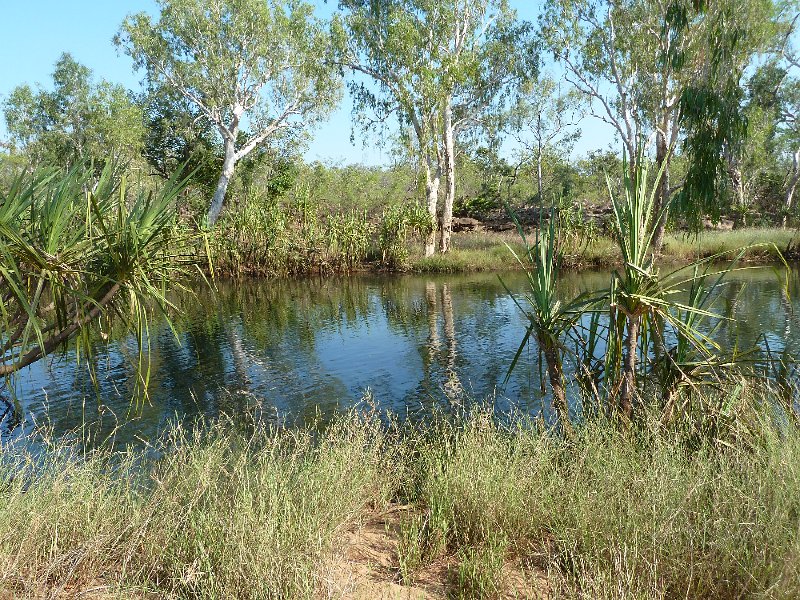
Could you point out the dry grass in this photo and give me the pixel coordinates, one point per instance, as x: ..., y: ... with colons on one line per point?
x: 486, y: 251
x: 458, y: 509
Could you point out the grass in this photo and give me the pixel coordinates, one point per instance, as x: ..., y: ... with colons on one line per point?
x: 609, y: 514
x: 486, y: 251
x: 221, y: 515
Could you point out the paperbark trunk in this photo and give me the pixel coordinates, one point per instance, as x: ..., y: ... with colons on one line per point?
x: 432, y: 180
x: 450, y: 171
x: 222, y: 184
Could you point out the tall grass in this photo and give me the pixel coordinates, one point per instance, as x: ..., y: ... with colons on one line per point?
x: 607, y: 513
x: 220, y: 515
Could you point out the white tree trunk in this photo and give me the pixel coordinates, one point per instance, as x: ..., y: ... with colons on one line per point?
x: 662, y: 194
x: 539, y: 183
x: 222, y: 185
x: 450, y: 172
x: 793, y: 181
x: 432, y: 179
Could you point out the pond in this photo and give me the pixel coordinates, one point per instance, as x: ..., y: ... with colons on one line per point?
x: 296, y: 350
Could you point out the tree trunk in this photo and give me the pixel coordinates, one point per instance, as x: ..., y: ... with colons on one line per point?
x: 661, y: 204
x: 222, y: 185
x: 450, y: 171
x: 432, y: 179
x: 795, y: 178
x: 735, y: 174
x: 539, y: 185
x: 555, y: 372
x: 628, y: 388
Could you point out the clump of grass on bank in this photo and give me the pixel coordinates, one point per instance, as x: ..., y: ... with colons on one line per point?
x: 611, y: 513
x: 687, y: 247
x: 486, y: 251
x: 221, y: 515
x: 610, y: 517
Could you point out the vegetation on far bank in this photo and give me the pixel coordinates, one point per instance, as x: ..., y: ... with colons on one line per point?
x: 487, y: 251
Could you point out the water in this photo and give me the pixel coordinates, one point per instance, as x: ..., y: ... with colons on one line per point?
x: 301, y: 349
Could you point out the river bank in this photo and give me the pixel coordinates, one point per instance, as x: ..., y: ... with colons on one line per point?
x: 472, y: 252
x: 487, y: 251
x: 459, y: 508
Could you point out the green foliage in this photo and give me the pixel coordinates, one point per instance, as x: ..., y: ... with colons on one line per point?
x: 79, y: 252
x: 78, y: 120
x: 176, y: 135
x: 349, y: 240
x: 397, y: 223
x: 234, y: 60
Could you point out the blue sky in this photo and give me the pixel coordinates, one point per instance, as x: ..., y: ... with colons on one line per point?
x: 37, y: 32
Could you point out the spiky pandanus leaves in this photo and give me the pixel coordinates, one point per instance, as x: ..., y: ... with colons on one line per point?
x: 549, y: 319
x: 80, y: 252
x: 643, y: 302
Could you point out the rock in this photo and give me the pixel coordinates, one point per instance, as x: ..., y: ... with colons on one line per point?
x: 722, y: 225
x: 466, y: 224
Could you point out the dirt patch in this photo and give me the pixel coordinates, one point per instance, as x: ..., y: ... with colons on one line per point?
x: 367, y: 567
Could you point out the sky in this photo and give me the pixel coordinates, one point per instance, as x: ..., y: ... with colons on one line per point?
x: 35, y: 33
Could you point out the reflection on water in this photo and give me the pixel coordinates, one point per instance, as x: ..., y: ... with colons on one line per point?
x: 304, y: 349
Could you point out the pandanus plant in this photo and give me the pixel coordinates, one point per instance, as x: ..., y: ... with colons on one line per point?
x: 550, y: 319
x: 635, y: 293
x: 79, y: 252
x: 644, y: 303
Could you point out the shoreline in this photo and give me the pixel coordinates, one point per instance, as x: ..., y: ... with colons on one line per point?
x: 467, y: 509
x: 481, y: 252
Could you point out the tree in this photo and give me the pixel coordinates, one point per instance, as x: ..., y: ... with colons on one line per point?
x: 263, y: 64
x: 713, y: 107
x: 177, y: 135
x: 440, y: 68
x: 77, y: 120
x: 775, y: 90
x: 544, y: 120
x: 788, y: 128
x: 643, y: 63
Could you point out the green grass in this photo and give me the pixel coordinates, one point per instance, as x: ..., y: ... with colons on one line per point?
x: 486, y: 251
x: 221, y: 515
x: 609, y: 514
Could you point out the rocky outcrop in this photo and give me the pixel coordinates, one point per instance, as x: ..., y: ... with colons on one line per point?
x: 467, y: 224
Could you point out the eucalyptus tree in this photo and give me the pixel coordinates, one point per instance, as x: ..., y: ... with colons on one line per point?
x: 789, y: 130
x: 643, y: 63
x: 440, y: 67
x: 257, y: 64
x: 775, y: 89
x: 714, y: 110
x: 544, y: 121
x: 77, y: 119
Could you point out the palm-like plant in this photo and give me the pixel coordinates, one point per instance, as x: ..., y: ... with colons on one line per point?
x: 642, y: 300
x: 78, y: 251
x: 636, y: 291
x: 549, y: 319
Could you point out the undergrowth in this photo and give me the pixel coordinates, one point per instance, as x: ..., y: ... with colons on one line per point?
x: 611, y: 512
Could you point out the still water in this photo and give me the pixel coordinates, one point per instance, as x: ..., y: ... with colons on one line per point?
x: 297, y: 349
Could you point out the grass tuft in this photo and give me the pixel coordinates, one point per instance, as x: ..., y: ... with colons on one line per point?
x: 643, y: 513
